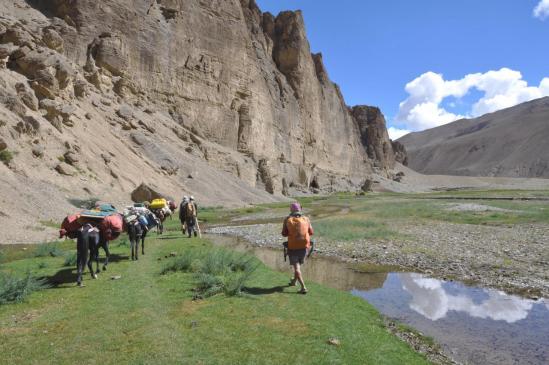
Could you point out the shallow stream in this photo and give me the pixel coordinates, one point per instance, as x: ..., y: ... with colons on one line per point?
x: 473, y: 325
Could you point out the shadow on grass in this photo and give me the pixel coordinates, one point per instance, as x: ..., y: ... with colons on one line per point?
x: 168, y: 237
x: 114, y: 257
x: 64, y: 276
x: 265, y: 291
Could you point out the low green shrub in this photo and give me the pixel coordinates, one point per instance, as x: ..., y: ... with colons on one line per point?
x: 48, y: 249
x: 6, y: 156
x: 70, y: 259
x: 216, y: 271
x: 14, y: 289
x: 180, y: 263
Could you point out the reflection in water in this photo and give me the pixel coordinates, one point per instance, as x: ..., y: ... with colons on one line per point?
x: 474, y: 325
x: 320, y: 270
x: 431, y: 300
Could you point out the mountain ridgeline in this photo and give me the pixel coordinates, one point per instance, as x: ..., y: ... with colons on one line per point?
x: 210, y: 97
x: 512, y: 142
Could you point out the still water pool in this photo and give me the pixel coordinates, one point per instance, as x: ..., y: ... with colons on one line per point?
x: 473, y: 325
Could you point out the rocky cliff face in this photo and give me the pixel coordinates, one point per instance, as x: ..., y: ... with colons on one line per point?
x: 210, y: 97
x: 374, y: 135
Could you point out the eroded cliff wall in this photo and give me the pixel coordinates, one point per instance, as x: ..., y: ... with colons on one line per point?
x: 211, y: 97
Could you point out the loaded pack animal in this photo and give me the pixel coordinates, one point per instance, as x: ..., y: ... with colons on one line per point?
x: 136, y: 233
x: 91, y: 231
x: 87, y: 240
x: 161, y: 209
x: 138, y: 221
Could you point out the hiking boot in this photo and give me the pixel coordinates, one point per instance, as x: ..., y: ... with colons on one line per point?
x: 303, y: 291
x: 292, y: 282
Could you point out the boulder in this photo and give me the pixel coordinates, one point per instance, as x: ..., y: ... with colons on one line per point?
x: 367, y: 186
x: 26, y: 96
x: 125, y: 112
x: 80, y: 88
x: 124, y: 87
x: 38, y: 151
x: 3, y: 144
x: 30, y: 126
x: 65, y: 169
x: 18, y: 36
x: 106, y: 158
x: 146, y: 126
x: 138, y: 138
x: 71, y: 158
x: 145, y: 192
x: 58, y: 113
x: 13, y: 104
x: 52, y: 39
x: 5, y: 51
x: 109, y: 52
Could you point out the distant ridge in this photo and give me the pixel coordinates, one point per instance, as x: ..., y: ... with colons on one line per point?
x: 512, y: 142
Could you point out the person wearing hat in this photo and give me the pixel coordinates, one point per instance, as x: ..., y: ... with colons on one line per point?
x: 191, y: 217
x: 182, y: 211
x: 298, y: 229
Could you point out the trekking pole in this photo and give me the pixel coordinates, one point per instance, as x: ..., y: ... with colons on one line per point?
x: 311, y: 249
x: 198, y: 229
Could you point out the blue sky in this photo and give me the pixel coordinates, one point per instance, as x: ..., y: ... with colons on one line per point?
x: 467, y: 57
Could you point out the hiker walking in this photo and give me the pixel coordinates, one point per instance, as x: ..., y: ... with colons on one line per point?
x: 191, y: 217
x: 182, y: 211
x: 298, y: 229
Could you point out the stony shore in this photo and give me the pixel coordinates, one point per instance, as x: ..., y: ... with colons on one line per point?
x: 514, y: 259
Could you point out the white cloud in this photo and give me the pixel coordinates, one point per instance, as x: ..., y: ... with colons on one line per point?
x: 502, y: 89
x: 542, y: 9
x: 431, y: 300
x: 395, y: 133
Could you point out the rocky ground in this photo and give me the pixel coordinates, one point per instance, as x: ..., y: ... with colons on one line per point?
x: 515, y: 258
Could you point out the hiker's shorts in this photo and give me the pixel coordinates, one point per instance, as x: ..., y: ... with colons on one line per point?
x: 297, y: 256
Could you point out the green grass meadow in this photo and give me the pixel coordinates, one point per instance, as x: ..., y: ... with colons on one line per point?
x: 147, y: 317
x: 206, y: 305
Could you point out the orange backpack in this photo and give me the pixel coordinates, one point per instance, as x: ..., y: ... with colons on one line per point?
x: 298, y: 232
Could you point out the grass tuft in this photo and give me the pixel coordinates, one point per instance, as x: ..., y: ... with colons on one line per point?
x: 352, y: 229
x: 48, y: 249
x: 14, y: 289
x: 6, y: 156
x: 70, y: 259
x: 215, y: 271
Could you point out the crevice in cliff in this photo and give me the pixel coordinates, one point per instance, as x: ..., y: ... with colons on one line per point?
x: 264, y: 176
x: 63, y: 9
x: 244, y: 129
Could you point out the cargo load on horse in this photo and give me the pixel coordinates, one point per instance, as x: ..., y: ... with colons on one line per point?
x: 159, y: 204
x: 103, y: 216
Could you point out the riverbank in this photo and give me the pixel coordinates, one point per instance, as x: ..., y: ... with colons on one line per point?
x: 493, y: 243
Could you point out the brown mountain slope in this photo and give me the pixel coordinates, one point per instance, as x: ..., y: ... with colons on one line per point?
x: 513, y: 142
